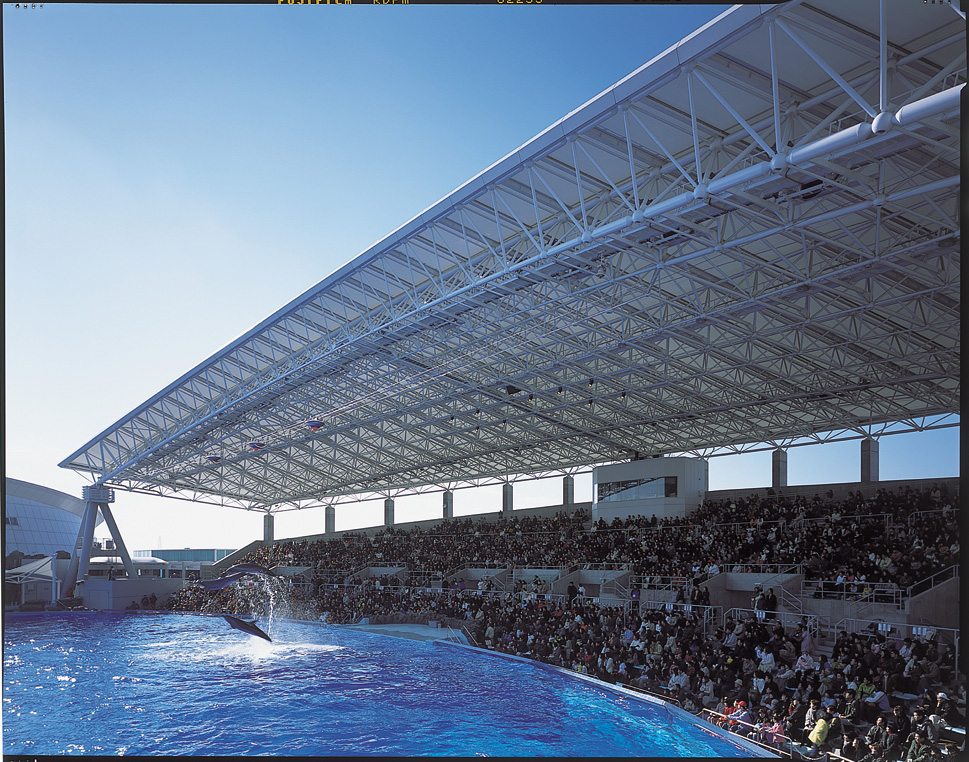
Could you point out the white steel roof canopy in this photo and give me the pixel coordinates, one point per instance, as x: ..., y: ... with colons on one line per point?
x: 752, y: 238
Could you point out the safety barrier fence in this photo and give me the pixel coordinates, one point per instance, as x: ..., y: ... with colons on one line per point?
x: 872, y: 592
x: 898, y: 631
x: 786, y: 618
x: 917, y: 518
x: 784, y: 598
x: 602, y: 567
x: 755, y: 733
x: 931, y: 581
x: 775, y: 742
x: 710, y: 617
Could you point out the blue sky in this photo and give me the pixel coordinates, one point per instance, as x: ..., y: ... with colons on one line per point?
x: 175, y: 173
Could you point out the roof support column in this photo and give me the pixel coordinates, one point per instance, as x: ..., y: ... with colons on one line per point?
x: 507, y: 499
x: 329, y: 520
x: 70, y: 579
x: 779, y: 468
x: 84, y: 561
x: 568, y: 490
x: 448, y: 504
x: 129, y: 567
x: 267, y: 529
x: 389, y: 512
x: 869, y: 460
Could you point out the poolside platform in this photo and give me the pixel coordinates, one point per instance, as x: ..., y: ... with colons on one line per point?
x: 410, y: 631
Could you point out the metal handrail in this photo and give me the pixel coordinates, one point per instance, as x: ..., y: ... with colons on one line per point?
x: 708, y: 614
x: 946, y: 635
x: 954, y: 569
x: 786, y: 618
x: 917, y: 516
x: 844, y: 594
x: 610, y: 566
x: 789, y: 599
x: 754, y: 728
x: 783, y: 569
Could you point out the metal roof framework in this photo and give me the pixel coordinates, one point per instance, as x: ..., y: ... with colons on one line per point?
x: 751, y: 241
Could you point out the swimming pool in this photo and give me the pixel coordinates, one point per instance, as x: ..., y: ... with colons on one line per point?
x: 95, y: 683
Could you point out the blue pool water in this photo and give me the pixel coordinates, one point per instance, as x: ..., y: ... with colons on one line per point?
x: 103, y: 684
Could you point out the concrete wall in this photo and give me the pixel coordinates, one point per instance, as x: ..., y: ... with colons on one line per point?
x: 546, y: 511
x: 104, y: 594
x: 840, y: 489
x: 939, y: 606
x: 834, y: 610
x: 736, y: 589
x: 692, y: 475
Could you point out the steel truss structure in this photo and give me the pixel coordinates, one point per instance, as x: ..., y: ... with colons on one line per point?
x: 753, y: 238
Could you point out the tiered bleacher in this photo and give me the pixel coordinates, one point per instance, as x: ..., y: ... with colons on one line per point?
x: 630, y: 603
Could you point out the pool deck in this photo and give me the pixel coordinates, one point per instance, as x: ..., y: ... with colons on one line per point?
x: 410, y: 631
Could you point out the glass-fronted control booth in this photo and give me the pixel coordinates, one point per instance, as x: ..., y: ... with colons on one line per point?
x: 664, y: 487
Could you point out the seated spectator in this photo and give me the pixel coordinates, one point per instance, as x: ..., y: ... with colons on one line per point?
x: 920, y: 749
x: 900, y: 727
x: 945, y: 712
x: 739, y: 721
x: 854, y: 748
x: 811, y: 717
x: 877, y: 753
x: 877, y: 704
x: 922, y: 724
x: 804, y: 663
x: 878, y: 733
x: 772, y: 733
x: 849, y: 708
x: 819, y: 733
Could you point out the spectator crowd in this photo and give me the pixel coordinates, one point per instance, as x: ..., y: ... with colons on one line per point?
x: 871, y: 699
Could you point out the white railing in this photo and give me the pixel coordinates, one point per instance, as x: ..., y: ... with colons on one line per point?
x: 789, y: 599
x: 873, y: 592
x: 918, y: 517
x: 612, y: 587
x: 929, y: 582
x: 786, y: 618
x: 902, y: 630
x: 710, y: 616
x: 615, y: 566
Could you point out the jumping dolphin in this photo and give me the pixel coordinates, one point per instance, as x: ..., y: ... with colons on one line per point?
x: 239, y: 624
x: 233, y: 573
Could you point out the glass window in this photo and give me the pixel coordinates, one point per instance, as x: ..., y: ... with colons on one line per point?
x: 637, y: 489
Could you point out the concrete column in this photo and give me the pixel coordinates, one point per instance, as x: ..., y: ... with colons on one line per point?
x: 71, y: 577
x: 779, y: 468
x: 329, y: 522
x: 869, y: 460
x: 129, y: 567
x: 267, y: 529
x: 389, y: 512
x: 448, y: 504
x: 507, y: 499
x: 568, y: 490
x: 90, y: 519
